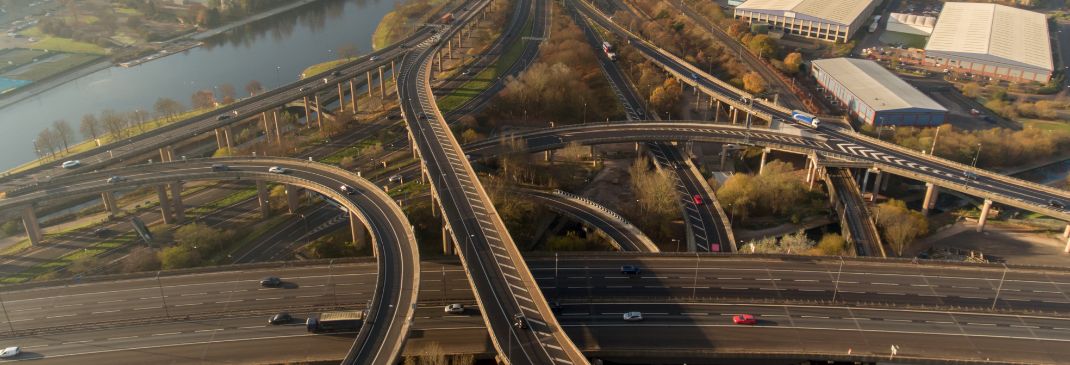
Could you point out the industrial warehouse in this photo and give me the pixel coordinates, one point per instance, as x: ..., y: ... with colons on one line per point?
x: 874, y: 95
x: 829, y: 20
x: 991, y: 40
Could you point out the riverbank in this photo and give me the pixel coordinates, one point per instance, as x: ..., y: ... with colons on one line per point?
x: 400, y: 23
x: 74, y: 73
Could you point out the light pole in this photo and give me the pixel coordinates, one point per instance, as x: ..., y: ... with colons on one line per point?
x: 10, y: 325
x: 976, y: 156
x: 162, y: 297
x: 836, y: 289
x: 694, y: 283
x: 585, y: 112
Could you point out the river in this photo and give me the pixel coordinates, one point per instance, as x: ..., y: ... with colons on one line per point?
x: 272, y: 51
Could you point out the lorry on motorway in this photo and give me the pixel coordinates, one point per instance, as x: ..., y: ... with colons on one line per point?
x: 446, y: 19
x: 805, y: 118
x: 338, y: 321
x: 876, y: 23
x: 608, y: 49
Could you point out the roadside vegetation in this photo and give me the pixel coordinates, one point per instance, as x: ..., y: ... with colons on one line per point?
x: 776, y: 192
x: 900, y: 226
x: 403, y: 21
x: 998, y: 147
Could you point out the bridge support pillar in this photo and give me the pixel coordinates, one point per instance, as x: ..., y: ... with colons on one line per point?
x: 449, y: 48
x: 984, y: 215
x: 219, y: 142
x: 319, y: 113
x: 228, y: 135
x: 165, y: 204
x: 1066, y: 231
x: 358, y: 232
x: 109, y: 203
x: 263, y: 198
x: 761, y: 167
x: 176, y: 197
x: 865, y: 181
x: 267, y: 126
x: 369, y: 77
x: 278, y: 133
x: 382, y: 84
x: 167, y: 154
x: 735, y: 114
x: 439, y: 56
x: 547, y: 155
x: 353, y: 96
x: 877, y: 184
x: 717, y: 112
x: 447, y: 241
x: 292, y: 198
x: 33, y: 228
x: 931, y: 192
x: 308, y: 114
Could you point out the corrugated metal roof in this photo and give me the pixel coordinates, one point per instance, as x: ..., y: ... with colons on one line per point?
x: 911, y: 23
x: 1010, y: 34
x: 834, y: 11
x: 874, y: 85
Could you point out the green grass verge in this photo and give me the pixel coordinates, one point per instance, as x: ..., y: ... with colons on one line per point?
x: 58, y: 44
x: 18, y: 57
x: 236, y: 197
x: 384, y: 32
x: 483, y: 80
x: 1046, y: 125
x: 257, y: 231
x: 54, y: 66
x: 321, y: 67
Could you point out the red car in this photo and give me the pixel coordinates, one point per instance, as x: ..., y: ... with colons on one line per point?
x: 698, y: 199
x: 744, y: 319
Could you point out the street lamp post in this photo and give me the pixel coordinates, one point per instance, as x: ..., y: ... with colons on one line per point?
x: 162, y: 297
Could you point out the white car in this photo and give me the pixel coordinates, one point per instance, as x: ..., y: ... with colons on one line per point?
x: 633, y: 316
x: 455, y: 308
x: 116, y: 179
x: 277, y: 170
x: 10, y: 352
x: 71, y: 164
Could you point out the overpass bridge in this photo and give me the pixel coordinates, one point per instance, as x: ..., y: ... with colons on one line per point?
x: 857, y: 225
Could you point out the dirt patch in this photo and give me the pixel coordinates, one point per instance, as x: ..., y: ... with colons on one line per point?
x: 1013, y: 245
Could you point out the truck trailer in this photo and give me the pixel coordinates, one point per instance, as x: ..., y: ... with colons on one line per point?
x: 339, y: 321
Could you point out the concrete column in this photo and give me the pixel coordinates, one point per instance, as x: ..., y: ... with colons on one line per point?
x: 439, y: 54
x: 877, y: 184
x: 449, y: 48
x: 278, y: 133
x: 33, y: 229
x: 109, y: 202
x: 228, y: 136
x: 176, y: 197
x: 1067, y: 248
x: 353, y: 95
x: 319, y: 113
x: 357, y: 232
x: 369, y: 74
x: 1066, y: 231
x: 341, y: 98
x: 761, y: 167
x: 813, y: 177
x: 219, y: 142
x: 735, y: 114
x: 865, y: 181
x: 724, y: 155
x: 546, y: 155
x: 717, y: 112
x: 267, y: 126
x: 292, y: 198
x: 165, y: 204
x: 931, y: 192
x: 382, y: 84
x: 308, y: 122
x: 809, y: 171
x: 393, y: 75
x: 984, y: 215
x: 447, y: 241
x: 167, y: 154
x: 263, y: 197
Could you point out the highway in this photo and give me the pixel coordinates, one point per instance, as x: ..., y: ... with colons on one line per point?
x: 849, y: 145
x: 496, y: 270
x: 390, y: 308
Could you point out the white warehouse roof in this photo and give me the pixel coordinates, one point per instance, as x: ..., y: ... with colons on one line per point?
x: 833, y: 11
x: 912, y: 24
x: 996, y: 33
x: 874, y: 85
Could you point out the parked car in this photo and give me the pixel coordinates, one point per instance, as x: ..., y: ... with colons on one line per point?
x: 747, y: 319
x: 454, y: 308
x: 633, y: 316
x: 116, y: 179
x: 281, y: 318
x: 271, y: 282
x: 630, y: 270
x: 71, y: 164
x: 277, y: 170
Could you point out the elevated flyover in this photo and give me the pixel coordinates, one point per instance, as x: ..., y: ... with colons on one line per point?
x: 849, y: 145
x: 625, y: 236
x: 390, y: 311
x: 503, y: 286
x: 859, y: 227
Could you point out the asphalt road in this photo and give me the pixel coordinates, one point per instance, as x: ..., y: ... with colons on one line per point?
x: 913, y: 164
x: 626, y: 236
x: 396, y: 287
x: 863, y: 230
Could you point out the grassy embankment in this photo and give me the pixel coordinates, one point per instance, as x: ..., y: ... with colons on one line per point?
x: 483, y: 80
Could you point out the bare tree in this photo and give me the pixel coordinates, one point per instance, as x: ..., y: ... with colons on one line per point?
x: 203, y: 99
x: 227, y: 91
x: 167, y: 107
x: 348, y: 51
x: 114, y: 123
x: 90, y: 126
x: 254, y: 87
x: 46, y: 140
x: 138, y: 118
x: 64, y: 134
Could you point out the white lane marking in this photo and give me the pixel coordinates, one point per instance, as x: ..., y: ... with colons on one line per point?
x: 167, y: 334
